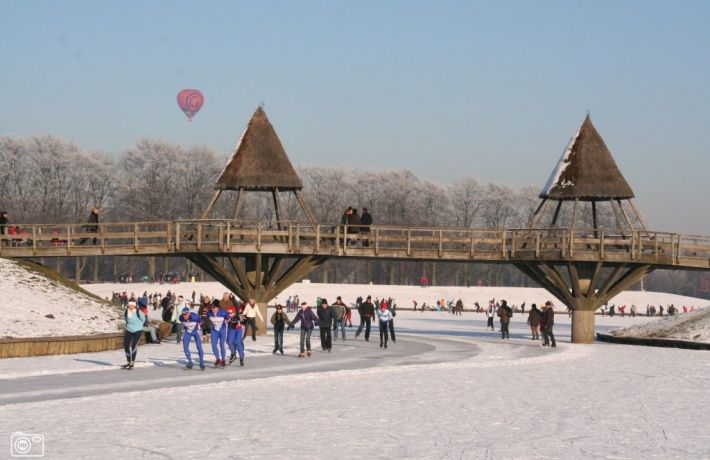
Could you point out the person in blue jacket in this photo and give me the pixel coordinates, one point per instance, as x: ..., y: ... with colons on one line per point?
x: 191, y: 328
x: 218, y: 334
x: 134, y: 329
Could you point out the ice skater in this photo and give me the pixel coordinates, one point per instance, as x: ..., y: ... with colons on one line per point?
x: 307, y: 319
x: 235, y: 335
x: 192, y: 329
x: 384, y: 316
x: 134, y: 329
x: 280, y: 320
x: 218, y: 334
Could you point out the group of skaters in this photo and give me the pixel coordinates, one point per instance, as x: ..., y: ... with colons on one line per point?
x: 651, y: 310
x: 227, y: 321
x: 540, y: 321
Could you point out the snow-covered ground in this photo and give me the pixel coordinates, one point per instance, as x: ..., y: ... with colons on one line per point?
x: 693, y: 326
x: 27, y: 298
x: 468, y: 395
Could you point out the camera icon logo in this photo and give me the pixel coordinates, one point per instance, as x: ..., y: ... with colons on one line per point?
x: 26, y: 445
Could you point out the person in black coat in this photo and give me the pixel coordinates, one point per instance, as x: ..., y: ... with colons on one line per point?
x: 367, y: 314
x: 93, y: 226
x: 3, y: 224
x: 365, y: 222
x: 325, y: 323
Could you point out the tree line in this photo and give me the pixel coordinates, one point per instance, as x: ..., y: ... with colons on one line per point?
x: 45, y: 179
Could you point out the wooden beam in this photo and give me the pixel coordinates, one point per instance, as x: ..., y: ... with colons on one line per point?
x: 557, y: 213
x: 597, y: 271
x: 574, y: 279
x: 306, y: 210
x: 639, y: 216
x: 295, y: 273
x: 555, y: 277
x: 615, y: 274
x: 210, y: 206
x: 240, y: 271
x: 238, y: 202
x: 539, y: 277
x: 626, y: 216
x: 630, y: 278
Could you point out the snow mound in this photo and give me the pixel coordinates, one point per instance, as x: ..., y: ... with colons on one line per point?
x: 33, y: 305
x: 693, y: 326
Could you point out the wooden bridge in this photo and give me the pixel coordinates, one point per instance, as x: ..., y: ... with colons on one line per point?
x: 229, y: 237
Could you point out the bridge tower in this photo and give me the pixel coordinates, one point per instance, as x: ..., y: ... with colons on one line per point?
x: 258, y: 164
x: 586, y: 194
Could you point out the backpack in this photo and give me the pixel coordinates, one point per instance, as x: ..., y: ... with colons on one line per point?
x: 509, y: 310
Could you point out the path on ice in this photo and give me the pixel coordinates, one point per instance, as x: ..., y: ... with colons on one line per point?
x: 156, y: 372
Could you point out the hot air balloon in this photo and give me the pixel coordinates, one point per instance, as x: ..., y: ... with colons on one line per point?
x: 190, y: 101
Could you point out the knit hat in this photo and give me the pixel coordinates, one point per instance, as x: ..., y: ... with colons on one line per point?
x: 186, y: 310
x: 215, y: 303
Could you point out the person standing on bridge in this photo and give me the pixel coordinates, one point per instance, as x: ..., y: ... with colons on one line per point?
x: 3, y: 225
x: 134, y: 329
x: 191, y: 325
x: 93, y: 226
x: 307, y: 319
x: 251, y: 311
x: 218, y: 334
x: 548, y: 320
x: 367, y: 313
x: 365, y: 222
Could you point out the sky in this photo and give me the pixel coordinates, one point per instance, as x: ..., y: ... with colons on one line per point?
x: 446, y: 89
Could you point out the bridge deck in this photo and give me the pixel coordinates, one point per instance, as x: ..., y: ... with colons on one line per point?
x: 663, y: 250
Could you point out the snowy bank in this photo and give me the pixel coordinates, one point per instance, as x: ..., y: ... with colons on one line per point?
x: 693, y: 326
x: 33, y: 305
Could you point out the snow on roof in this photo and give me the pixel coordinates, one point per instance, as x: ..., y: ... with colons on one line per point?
x: 561, y: 166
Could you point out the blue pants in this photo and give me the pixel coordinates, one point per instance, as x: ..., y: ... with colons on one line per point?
x: 235, y: 340
x: 338, y: 324
x: 186, y: 338
x: 218, y: 337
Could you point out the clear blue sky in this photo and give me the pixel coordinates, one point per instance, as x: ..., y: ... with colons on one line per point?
x: 445, y: 88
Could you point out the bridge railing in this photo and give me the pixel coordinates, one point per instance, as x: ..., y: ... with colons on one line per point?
x: 388, y: 241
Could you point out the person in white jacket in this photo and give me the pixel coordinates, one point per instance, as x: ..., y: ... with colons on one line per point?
x: 177, y: 309
x: 251, y: 311
x: 385, y: 316
x: 490, y: 314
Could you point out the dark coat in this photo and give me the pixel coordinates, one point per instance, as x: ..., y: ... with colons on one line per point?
x: 504, y: 312
x: 548, y: 317
x: 279, y: 320
x: 366, y: 309
x: 325, y: 316
x: 366, y: 221
x: 93, y: 219
x: 534, y: 317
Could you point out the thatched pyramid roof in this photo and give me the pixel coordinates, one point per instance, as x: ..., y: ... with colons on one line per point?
x: 259, y: 161
x: 586, y: 170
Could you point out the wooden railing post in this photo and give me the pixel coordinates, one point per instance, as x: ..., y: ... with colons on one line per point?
x: 601, y: 244
x: 317, y: 238
x: 441, y: 242
x: 377, y: 241
x: 69, y: 240
x: 228, y: 243
x: 537, y: 244
x: 512, y: 243
x: 571, y: 243
x: 135, y: 237
x: 34, y: 240
x: 504, y: 244
x: 177, y: 236
x: 199, y: 237
x: 258, y: 237
x: 409, y: 242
